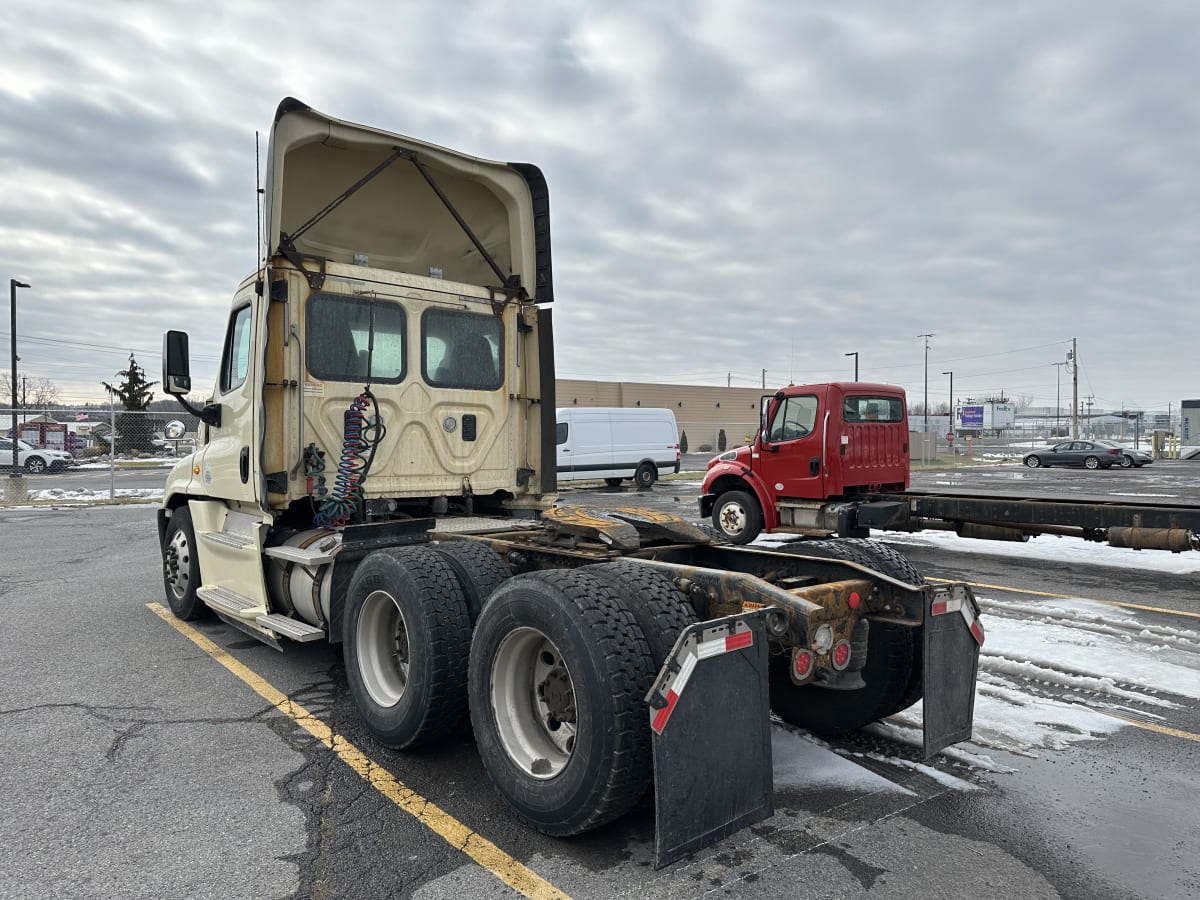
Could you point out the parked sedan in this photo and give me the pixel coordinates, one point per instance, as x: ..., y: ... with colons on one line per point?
x: 34, y: 460
x: 1130, y: 456
x: 1089, y: 454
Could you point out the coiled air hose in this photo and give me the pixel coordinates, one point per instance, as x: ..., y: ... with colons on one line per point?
x: 358, y: 435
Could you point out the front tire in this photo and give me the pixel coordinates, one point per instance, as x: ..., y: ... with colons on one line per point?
x: 181, y: 567
x: 1032, y: 462
x: 559, y: 669
x: 738, y: 517
x: 406, y: 639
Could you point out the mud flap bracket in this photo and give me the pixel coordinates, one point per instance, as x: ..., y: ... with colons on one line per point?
x: 711, y: 736
x: 953, y: 636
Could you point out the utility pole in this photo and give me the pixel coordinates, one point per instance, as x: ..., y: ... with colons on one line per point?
x: 950, y: 430
x: 764, y: 371
x: 854, y: 353
x: 1074, y: 357
x: 1057, y: 395
x: 13, y: 284
x: 927, y: 337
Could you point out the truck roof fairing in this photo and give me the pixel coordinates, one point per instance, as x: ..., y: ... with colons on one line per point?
x: 353, y: 194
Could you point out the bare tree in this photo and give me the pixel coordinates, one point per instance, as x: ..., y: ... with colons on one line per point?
x: 1022, y: 401
x: 40, y: 392
x: 32, y: 391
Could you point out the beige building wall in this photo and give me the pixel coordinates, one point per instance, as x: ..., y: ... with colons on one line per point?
x: 701, y: 411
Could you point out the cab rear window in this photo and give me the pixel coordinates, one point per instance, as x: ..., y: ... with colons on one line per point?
x: 861, y: 408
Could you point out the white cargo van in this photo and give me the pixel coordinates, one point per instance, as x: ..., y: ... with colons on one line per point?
x: 615, y: 443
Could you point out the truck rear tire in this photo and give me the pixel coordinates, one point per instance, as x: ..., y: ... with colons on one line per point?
x: 894, y: 652
x: 559, y: 669
x: 181, y: 567
x: 737, y: 517
x: 406, y: 639
x: 660, y: 609
x: 478, y: 568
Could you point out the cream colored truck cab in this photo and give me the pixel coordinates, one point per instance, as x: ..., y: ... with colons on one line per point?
x: 390, y: 351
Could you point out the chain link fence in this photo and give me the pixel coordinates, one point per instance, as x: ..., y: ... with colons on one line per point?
x: 58, y: 441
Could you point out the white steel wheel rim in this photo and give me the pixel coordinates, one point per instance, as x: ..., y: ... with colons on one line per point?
x: 733, y: 518
x: 383, y: 651
x: 179, y: 559
x: 532, y: 695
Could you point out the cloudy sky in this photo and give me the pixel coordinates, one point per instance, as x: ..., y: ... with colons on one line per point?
x: 735, y: 186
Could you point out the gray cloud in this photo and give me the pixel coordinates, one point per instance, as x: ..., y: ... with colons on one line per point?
x: 734, y: 186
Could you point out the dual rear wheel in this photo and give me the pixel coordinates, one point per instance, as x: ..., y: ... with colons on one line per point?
x: 553, y: 674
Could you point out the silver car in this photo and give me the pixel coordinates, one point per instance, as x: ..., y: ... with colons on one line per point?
x: 1131, y: 456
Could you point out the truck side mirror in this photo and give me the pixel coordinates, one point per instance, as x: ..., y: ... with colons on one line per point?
x: 177, y: 375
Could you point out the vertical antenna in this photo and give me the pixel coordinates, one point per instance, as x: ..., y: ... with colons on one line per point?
x: 258, y: 191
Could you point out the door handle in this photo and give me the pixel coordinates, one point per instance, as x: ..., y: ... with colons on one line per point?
x: 244, y: 465
x: 814, y: 465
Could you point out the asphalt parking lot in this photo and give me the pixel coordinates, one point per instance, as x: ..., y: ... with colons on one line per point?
x: 140, y: 760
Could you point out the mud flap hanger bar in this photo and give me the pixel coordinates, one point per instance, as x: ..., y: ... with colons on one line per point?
x: 711, y: 736
x: 287, y: 242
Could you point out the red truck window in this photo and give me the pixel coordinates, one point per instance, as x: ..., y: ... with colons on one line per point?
x: 873, y: 409
x: 794, y: 418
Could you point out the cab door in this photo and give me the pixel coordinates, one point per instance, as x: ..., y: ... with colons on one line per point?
x: 790, y: 458
x: 228, y: 469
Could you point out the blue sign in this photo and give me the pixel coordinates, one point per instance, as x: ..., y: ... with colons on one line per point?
x: 971, y: 416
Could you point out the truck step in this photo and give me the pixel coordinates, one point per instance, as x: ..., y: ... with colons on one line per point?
x: 305, y: 556
x: 231, y: 603
x: 290, y: 628
x: 237, y: 541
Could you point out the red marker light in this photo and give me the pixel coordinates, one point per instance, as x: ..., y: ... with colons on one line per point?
x: 854, y: 601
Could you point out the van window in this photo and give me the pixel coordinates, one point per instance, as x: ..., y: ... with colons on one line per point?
x: 354, y: 339
x: 560, y: 432
x: 462, y: 350
x: 794, y: 418
x: 873, y: 409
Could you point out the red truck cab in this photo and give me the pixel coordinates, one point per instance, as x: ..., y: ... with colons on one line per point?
x: 817, y: 445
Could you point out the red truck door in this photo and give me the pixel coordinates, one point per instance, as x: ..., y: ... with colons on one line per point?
x: 790, y: 461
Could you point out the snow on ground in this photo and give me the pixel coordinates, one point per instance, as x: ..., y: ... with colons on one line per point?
x: 88, y: 496
x: 1056, y: 549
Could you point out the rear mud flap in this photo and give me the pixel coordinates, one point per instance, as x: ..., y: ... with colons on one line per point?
x: 711, y: 734
x: 953, y: 636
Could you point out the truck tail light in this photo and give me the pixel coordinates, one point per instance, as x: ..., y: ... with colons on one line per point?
x: 802, y: 664
x: 841, y: 655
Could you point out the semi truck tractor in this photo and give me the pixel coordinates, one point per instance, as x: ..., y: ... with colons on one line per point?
x: 376, y: 468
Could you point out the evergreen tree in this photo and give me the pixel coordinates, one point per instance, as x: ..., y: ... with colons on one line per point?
x: 135, y: 427
x: 134, y: 391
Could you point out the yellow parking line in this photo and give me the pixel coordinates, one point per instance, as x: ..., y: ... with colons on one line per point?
x: 1160, y: 729
x: 510, y: 871
x: 1015, y: 590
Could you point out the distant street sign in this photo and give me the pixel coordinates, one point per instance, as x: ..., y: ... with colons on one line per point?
x: 950, y: 437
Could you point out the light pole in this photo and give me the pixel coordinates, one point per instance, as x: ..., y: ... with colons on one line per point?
x: 1058, y: 395
x: 854, y: 353
x: 951, y: 374
x: 927, y: 337
x: 13, y: 284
